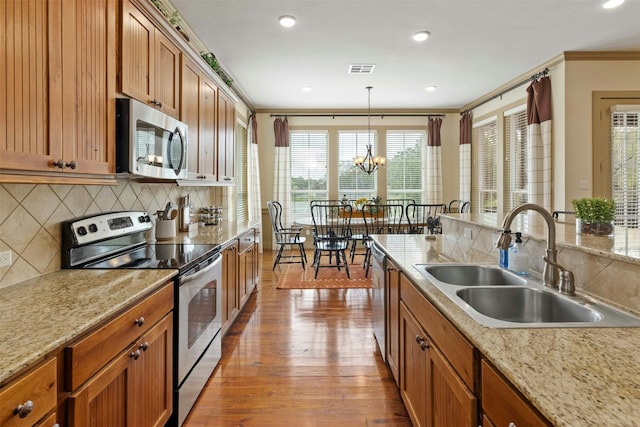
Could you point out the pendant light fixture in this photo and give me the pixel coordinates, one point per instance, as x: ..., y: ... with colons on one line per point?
x: 369, y: 163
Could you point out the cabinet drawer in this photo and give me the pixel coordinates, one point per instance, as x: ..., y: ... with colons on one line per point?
x: 503, y: 404
x: 38, y: 386
x: 453, y: 345
x: 247, y: 240
x: 89, y: 354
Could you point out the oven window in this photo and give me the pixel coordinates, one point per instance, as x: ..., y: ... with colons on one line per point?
x: 202, y: 311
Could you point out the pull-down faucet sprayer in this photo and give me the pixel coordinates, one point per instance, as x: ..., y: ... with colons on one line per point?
x: 550, y: 274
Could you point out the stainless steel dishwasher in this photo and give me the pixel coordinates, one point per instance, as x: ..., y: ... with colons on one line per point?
x: 378, y: 298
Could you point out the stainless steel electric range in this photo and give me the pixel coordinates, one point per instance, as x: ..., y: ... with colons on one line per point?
x: 118, y: 240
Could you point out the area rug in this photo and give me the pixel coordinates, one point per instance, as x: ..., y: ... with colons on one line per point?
x: 294, y: 277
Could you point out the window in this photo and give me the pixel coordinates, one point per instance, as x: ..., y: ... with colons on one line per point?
x: 405, y: 161
x: 516, y: 175
x: 242, y: 180
x: 308, y: 169
x: 625, y: 163
x: 485, y: 168
x: 353, y: 182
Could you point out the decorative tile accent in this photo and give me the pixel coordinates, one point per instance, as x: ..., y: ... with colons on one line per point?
x: 30, y: 216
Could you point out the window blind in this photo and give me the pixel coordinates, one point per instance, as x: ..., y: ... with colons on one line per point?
x: 625, y: 163
x: 352, y: 182
x: 242, y: 179
x: 308, y: 169
x: 516, y: 164
x: 405, y: 159
x: 485, y: 168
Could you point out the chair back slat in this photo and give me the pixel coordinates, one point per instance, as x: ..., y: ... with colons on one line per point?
x: 421, y: 216
x: 382, y: 219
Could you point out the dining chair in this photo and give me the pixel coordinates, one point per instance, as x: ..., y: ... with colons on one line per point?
x: 420, y: 216
x: 380, y: 219
x: 331, y: 224
x: 458, y: 206
x: 286, y: 237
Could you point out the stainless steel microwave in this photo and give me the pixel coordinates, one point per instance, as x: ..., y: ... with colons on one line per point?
x: 149, y: 143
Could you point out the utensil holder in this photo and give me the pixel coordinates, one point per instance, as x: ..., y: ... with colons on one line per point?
x: 165, y: 229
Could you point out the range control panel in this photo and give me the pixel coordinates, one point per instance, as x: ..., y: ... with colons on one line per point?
x: 108, y: 225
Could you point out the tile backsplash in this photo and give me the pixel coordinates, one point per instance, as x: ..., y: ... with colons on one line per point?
x: 31, y: 214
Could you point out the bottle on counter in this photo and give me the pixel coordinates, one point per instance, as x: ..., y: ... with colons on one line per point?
x: 518, y: 258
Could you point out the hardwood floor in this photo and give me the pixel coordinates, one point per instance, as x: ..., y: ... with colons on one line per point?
x: 300, y: 358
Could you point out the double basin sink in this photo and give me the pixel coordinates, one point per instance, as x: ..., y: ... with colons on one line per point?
x: 497, y: 298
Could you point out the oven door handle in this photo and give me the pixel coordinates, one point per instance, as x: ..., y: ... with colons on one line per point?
x: 195, y: 276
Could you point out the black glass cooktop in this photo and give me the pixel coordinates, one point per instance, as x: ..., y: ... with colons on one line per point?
x: 181, y: 256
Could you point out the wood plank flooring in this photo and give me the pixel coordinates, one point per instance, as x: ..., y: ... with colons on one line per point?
x: 300, y: 358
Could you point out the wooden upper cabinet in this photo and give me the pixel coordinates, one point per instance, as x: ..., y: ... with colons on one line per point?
x: 57, y: 98
x: 199, y: 97
x: 150, y: 62
x: 226, y: 139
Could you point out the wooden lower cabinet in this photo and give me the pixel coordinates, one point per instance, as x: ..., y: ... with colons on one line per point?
x: 246, y: 266
x: 433, y: 393
x: 229, y: 284
x: 502, y: 405
x: 37, y: 386
x: 134, y: 389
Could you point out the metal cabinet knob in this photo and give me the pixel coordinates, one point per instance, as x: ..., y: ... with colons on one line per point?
x: 135, y: 355
x: 59, y: 164
x: 24, y: 409
x: 139, y: 321
x: 512, y: 424
x: 71, y: 165
x: 144, y: 346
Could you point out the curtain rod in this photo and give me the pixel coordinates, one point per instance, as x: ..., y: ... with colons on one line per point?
x: 536, y: 76
x: 381, y: 115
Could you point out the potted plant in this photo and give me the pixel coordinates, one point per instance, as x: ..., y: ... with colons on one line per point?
x: 594, y: 215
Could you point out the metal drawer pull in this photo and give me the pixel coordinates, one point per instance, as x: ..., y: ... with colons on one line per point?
x: 24, y: 409
x: 144, y: 346
x: 135, y: 355
x: 139, y: 321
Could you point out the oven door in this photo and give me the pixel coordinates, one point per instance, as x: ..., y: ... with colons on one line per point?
x: 199, y: 313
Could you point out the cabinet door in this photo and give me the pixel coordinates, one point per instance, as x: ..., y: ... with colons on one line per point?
x: 138, y: 54
x: 413, y: 368
x: 209, y: 99
x: 393, y: 319
x: 166, y: 75
x: 229, y: 285
x: 190, y: 80
x: 89, y: 73
x: 154, y: 376
x: 450, y: 401
x: 226, y: 139
x: 31, y: 89
x: 132, y: 390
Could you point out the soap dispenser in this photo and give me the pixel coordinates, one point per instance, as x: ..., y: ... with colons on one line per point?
x: 518, y: 258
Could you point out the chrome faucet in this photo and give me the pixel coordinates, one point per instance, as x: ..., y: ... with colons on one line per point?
x: 550, y: 276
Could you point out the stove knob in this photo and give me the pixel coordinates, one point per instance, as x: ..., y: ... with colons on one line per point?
x: 93, y: 228
x: 141, y: 218
x: 147, y: 218
x: 82, y: 231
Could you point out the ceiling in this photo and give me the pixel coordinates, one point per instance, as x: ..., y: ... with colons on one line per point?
x: 475, y: 46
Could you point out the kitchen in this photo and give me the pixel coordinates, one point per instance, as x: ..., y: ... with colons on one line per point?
x: 33, y: 211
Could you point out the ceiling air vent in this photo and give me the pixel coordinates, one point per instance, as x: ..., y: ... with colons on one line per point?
x: 361, y: 68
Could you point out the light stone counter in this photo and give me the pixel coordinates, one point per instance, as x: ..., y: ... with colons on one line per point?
x: 38, y: 316
x: 574, y: 376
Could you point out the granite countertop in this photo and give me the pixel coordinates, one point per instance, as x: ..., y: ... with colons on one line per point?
x: 39, y: 315
x: 213, y: 234
x: 574, y: 376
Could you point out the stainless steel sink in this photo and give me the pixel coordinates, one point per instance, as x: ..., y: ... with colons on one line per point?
x: 526, y: 305
x: 497, y: 298
x: 472, y: 275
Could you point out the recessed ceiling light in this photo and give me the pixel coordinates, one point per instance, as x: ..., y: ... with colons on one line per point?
x: 610, y: 4
x: 287, y: 21
x: 306, y: 89
x: 421, y: 36
x: 430, y: 88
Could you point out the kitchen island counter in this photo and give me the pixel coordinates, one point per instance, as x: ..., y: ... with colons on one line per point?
x: 573, y: 376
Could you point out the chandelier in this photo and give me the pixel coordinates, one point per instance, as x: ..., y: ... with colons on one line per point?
x: 369, y: 163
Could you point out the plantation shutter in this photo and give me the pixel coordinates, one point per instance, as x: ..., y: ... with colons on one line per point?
x: 242, y: 177
x: 308, y: 169
x: 353, y: 182
x: 405, y: 154
x: 516, y: 167
x: 625, y: 163
x: 485, y: 167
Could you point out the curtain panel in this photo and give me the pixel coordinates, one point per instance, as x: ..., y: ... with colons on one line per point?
x: 465, y: 156
x: 282, y: 170
x: 539, y: 138
x: 434, y: 161
x: 255, y: 203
